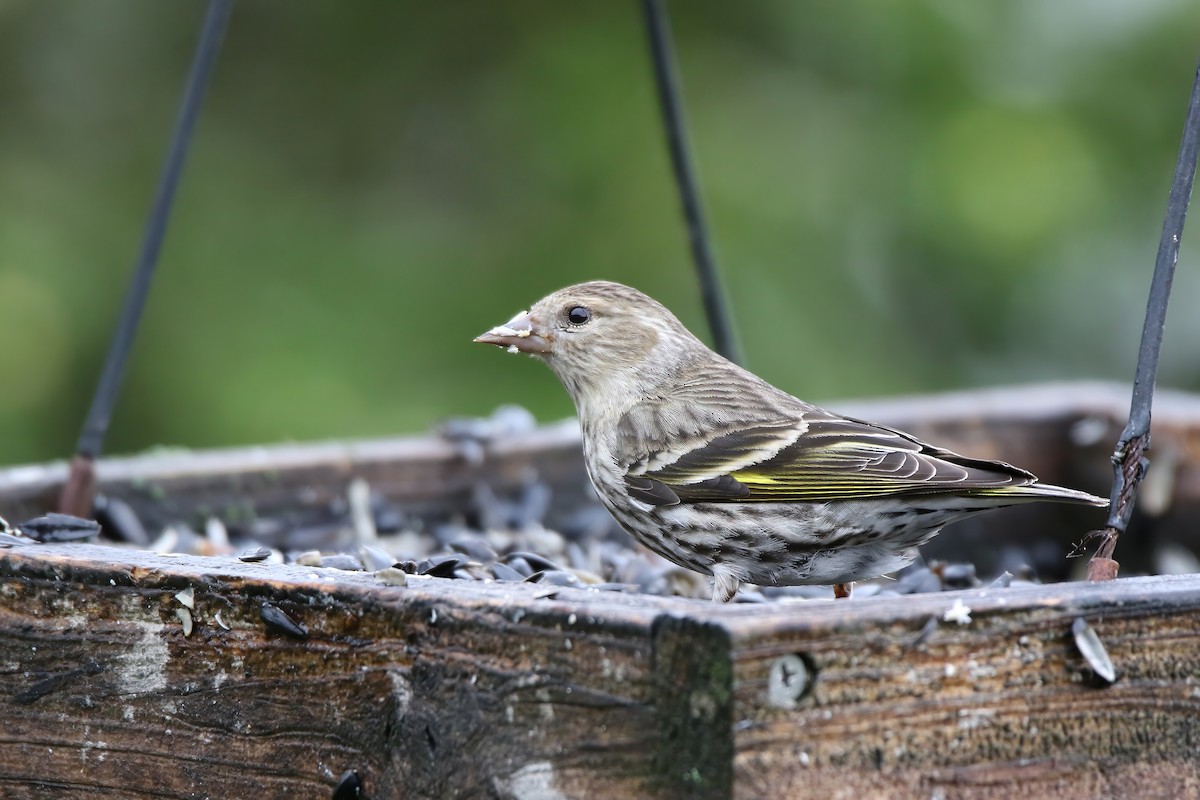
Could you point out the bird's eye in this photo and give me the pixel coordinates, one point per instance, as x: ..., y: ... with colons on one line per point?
x: 578, y: 315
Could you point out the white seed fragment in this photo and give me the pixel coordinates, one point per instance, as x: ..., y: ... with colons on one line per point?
x: 392, y: 576
x: 1093, y: 650
x: 221, y: 622
x: 960, y: 612
x: 358, y: 495
x: 504, y: 330
x: 187, y: 597
x: 185, y: 617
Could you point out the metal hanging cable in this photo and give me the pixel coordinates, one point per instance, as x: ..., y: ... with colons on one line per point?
x: 1129, y: 458
x: 666, y: 80
x: 79, y: 490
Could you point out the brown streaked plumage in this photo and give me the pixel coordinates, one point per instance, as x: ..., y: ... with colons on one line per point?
x: 718, y: 471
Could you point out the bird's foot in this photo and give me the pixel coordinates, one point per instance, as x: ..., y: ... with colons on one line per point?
x: 725, y: 585
x: 842, y: 590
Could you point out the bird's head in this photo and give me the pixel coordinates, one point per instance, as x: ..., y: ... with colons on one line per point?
x: 598, y: 336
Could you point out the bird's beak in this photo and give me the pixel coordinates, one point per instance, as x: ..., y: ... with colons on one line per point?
x: 521, y: 334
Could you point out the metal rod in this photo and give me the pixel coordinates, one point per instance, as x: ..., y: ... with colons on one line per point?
x: 77, y: 493
x: 667, y: 82
x: 1129, y: 459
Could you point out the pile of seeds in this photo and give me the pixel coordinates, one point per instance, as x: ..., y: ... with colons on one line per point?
x: 492, y: 538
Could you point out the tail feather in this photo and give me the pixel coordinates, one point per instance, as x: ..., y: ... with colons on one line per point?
x: 1046, y: 491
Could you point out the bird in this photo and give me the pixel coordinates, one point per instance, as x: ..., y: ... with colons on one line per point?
x: 718, y: 471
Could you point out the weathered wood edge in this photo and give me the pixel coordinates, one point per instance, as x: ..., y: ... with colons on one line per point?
x: 746, y: 622
x: 415, y: 470
x: 1147, y: 594
x: 168, y: 463
x: 1176, y: 413
x: 92, y: 563
x: 1162, y: 591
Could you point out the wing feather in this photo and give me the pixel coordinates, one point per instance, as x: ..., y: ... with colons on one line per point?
x: 812, y: 456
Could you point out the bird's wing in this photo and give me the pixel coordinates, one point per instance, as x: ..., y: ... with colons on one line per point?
x: 811, y: 456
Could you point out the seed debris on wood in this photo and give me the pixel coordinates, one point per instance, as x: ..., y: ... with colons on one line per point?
x: 59, y: 528
x: 254, y: 554
x: 187, y: 597
x: 185, y: 617
x: 1093, y: 651
x: 349, y: 786
x: 392, y: 576
x: 277, y: 620
x: 960, y: 612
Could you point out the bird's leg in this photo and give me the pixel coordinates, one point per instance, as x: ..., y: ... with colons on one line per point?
x: 725, y: 584
x: 842, y: 590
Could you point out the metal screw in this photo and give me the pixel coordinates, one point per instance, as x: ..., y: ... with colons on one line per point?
x: 788, y: 681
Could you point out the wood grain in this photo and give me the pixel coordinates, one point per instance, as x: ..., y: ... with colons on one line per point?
x: 975, y: 710
x: 435, y: 689
x: 454, y: 688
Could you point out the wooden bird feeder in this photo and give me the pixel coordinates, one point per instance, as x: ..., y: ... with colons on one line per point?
x: 459, y: 688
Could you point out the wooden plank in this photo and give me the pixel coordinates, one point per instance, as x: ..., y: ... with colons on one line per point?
x: 904, y: 707
x: 436, y: 689
x: 460, y: 688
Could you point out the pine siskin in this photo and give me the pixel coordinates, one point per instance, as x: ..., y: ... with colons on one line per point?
x: 720, y: 472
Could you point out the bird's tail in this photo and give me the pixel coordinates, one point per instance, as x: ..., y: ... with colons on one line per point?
x: 1046, y: 491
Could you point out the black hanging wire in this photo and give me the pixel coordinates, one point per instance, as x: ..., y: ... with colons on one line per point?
x: 1129, y: 458
x: 667, y: 82
x: 78, y: 492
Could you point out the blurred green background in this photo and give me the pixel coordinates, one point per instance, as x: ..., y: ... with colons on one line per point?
x: 903, y: 196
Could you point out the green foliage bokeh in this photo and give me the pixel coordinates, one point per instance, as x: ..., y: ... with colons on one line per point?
x: 903, y: 197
